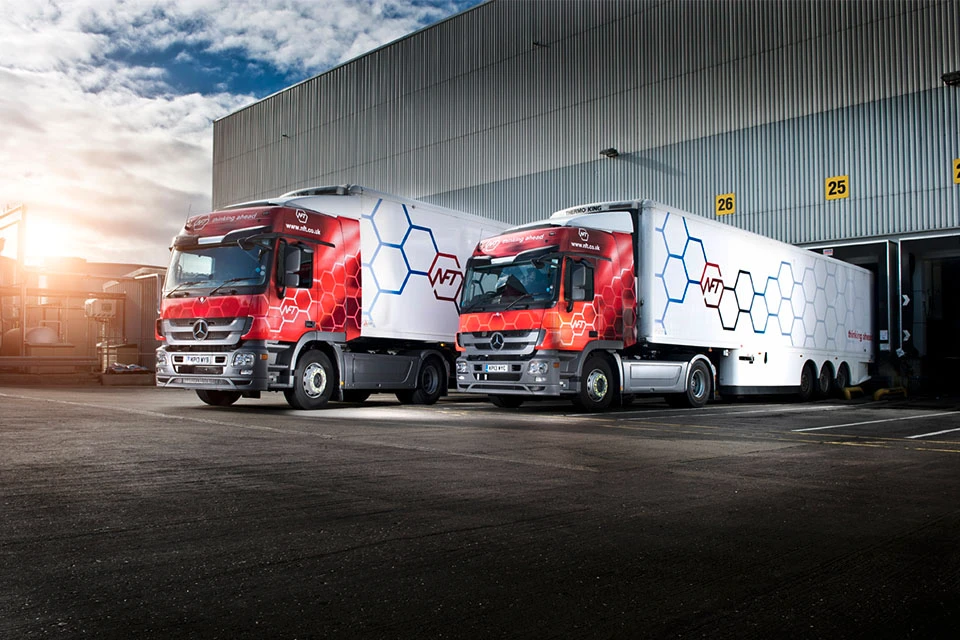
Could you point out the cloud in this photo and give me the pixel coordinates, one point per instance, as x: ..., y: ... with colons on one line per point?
x: 107, y: 106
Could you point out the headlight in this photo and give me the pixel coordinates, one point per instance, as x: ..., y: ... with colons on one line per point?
x: 462, y: 366
x: 161, y: 357
x: 244, y: 359
x: 536, y: 368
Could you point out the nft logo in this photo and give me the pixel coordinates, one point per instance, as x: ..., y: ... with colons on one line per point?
x: 711, y: 284
x: 446, y: 276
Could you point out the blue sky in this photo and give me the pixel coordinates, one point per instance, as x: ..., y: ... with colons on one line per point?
x: 106, y: 107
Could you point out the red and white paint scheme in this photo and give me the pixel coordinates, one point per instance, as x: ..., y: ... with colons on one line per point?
x: 329, y: 293
x: 606, y: 301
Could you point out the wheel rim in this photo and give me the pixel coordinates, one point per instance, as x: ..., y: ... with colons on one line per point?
x: 597, y: 385
x: 429, y: 380
x: 314, y: 380
x: 698, y: 383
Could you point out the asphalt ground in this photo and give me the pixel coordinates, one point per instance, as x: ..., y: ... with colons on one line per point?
x: 140, y: 512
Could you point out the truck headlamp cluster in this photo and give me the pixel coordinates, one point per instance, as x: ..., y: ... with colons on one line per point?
x: 462, y: 366
x: 161, y: 358
x: 537, y: 368
x: 244, y: 359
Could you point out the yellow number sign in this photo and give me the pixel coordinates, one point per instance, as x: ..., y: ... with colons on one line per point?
x: 837, y: 187
x: 956, y: 171
x: 726, y: 204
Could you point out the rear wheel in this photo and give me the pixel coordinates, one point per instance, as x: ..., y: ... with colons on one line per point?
x: 506, y: 402
x: 699, y: 387
x: 313, y: 382
x: 824, y: 381
x: 808, y: 382
x: 843, y: 377
x: 429, y: 384
x: 218, y: 398
x: 596, y: 385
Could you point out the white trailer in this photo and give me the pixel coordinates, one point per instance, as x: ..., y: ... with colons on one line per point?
x: 642, y: 298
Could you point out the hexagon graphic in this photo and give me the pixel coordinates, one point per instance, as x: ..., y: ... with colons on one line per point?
x: 675, y: 279
x: 675, y: 235
x: 420, y: 250
x: 759, y: 316
x: 389, y: 268
x: 694, y: 259
x: 446, y: 277
x: 390, y: 222
x: 820, y: 303
x: 771, y: 294
x: 820, y: 335
x: 711, y: 284
x: 809, y: 283
x: 729, y: 310
x: 744, y: 290
x: 785, y: 280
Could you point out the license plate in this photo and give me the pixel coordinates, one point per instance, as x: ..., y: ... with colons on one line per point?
x: 497, y: 368
x: 198, y: 359
x: 207, y: 381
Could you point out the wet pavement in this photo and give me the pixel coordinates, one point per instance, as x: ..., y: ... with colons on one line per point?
x: 142, y: 512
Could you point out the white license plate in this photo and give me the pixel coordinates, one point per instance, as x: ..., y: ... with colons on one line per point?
x: 198, y: 359
x: 497, y: 368
x: 207, y: 381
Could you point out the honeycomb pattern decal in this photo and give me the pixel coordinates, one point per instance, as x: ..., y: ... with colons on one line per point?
x: 609, y: 316
x: 405, y: 250
x: 808, y: 307
x: 333, y: 303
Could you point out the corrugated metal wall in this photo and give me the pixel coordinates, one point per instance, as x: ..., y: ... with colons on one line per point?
x: 502, y: 111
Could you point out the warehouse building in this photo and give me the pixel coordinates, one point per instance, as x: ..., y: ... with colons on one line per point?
x: 830, y: 125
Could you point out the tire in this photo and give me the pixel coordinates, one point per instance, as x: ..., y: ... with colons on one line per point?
x: 313, y: 382
x: 808, y: 382
x: 218, y: 398
x: 355, y: 395
x: 843, y: 378
x: 596, y: 385
x: 824, y: 382
x: 506, y: 402
x: 429, y: 384
x: 699, y: 388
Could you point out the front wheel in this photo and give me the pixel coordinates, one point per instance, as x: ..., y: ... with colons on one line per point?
x: 596, y: 385
x: 218, y: 398
x: 313, y: 382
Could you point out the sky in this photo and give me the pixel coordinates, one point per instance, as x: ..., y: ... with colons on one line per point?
x: 107, y: 106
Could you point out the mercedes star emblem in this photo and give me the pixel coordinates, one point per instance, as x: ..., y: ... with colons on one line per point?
x: 201, y: 329
x: 496, y: 341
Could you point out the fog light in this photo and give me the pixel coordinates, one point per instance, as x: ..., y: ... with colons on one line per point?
x: 537, y: 368
x: 243, y: 359
x: 462, y: 366
x: 246, y: 372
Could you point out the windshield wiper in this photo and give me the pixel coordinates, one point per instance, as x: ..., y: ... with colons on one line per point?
x: 518, y: 299
x: 182, y: 285
x: 486, y: 296
x: 228, y: 281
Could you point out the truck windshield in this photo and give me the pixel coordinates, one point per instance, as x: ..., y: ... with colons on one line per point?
x: 218, y: 270
x: 521, y: 284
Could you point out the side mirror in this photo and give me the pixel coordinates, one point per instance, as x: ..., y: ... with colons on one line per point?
x: 576, y: 285
x: 288, y: 264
